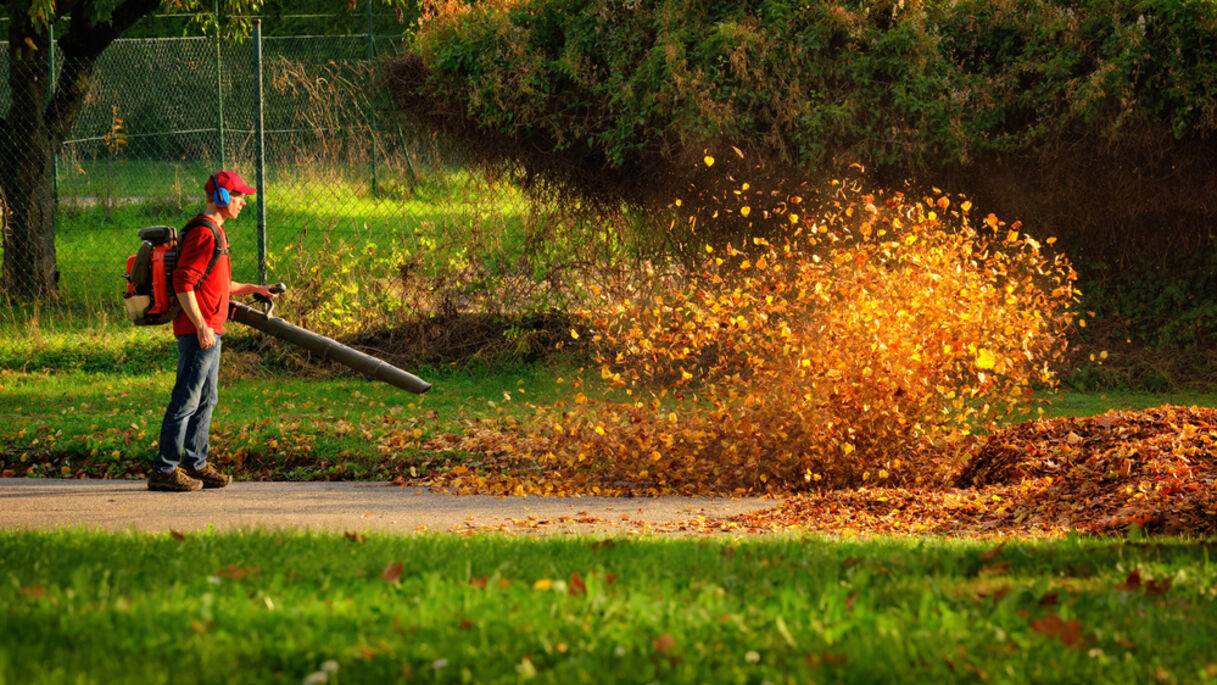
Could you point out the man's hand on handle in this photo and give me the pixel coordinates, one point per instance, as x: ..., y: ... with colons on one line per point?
x: 267, y: 293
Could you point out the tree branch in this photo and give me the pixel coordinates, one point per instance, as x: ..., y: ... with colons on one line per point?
x: 88, y: 41
x: 81, y: 46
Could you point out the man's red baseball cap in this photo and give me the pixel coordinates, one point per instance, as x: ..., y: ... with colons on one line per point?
x: 228, y: 180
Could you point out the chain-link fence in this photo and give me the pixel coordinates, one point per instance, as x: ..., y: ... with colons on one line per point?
x: 336, y: 169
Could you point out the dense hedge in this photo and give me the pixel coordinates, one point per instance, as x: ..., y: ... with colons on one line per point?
x: 909, y: 83
x: 1094, y: 120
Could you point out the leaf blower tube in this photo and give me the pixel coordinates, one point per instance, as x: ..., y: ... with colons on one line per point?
x: 328, y: 348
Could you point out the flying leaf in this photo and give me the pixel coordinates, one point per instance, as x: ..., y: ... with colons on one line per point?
x: 985, y: 359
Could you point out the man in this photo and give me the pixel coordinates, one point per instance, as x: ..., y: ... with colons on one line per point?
x: 203, y: 283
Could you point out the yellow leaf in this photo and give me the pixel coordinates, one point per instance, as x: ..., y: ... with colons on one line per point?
x: 543, y: 584
x: 985, y: 359
x: 709, y: 160
x: 745, y: 210
x: 574, y: 334
x: 1012, y: 237
x: 966, y: 206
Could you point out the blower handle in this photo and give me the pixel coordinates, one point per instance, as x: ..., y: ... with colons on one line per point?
x: 275, y: 288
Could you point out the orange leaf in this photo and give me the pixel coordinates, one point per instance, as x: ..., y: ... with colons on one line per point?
x: 1054, y: 626
x: 392, y: 573
x: 576, y: 586
x: 1132, y: 582
x: 993, y: 553
x: 236, y: 572
x: 664, y: 643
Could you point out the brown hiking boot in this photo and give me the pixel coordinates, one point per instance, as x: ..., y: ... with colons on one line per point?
x: 174, y: 481
x: 210, y: 476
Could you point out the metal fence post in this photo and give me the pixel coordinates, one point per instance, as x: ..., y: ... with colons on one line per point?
x: 260, y: 151
x: 50, y: 95
x: 371, y: 100
x: 220, y: 91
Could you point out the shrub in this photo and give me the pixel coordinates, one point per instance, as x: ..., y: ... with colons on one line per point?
x: 1095, y: 121
x: 839, y: 351
x: 913, y: 84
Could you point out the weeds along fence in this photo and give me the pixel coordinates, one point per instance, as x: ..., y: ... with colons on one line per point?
x: 362, y: 211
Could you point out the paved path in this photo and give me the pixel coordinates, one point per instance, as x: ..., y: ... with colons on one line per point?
x: 118, y: 505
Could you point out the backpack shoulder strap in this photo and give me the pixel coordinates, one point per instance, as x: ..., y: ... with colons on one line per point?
x: 215, y: 233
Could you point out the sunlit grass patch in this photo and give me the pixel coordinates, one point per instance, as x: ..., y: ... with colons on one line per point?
x: 253, y: 607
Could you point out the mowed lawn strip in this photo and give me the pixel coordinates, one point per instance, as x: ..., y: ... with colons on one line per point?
x: 92, y: 406
x: 96, y: 423
x: 259, y: 607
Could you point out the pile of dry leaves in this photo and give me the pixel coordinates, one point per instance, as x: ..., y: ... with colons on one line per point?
x: 1154, y: 468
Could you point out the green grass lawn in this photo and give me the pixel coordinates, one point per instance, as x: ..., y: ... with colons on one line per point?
x: 103, y: 206
x: 90, y: 403
x: 262, y: 607
x: 65, y: 410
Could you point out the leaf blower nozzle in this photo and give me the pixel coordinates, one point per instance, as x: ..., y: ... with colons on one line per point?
x: 327, y: 348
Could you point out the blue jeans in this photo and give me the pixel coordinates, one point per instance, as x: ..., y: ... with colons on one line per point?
x: 187, y: 421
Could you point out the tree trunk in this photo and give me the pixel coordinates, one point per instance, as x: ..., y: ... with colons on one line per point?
x: 26, y: 170
x: 37, y: 124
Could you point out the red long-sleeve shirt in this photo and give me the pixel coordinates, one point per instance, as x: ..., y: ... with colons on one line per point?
x: 194, y: 252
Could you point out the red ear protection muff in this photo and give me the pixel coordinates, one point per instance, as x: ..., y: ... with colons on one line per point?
x: 221, y: 194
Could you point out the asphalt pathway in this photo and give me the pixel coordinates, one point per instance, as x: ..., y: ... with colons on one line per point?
x: 348, y: 507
